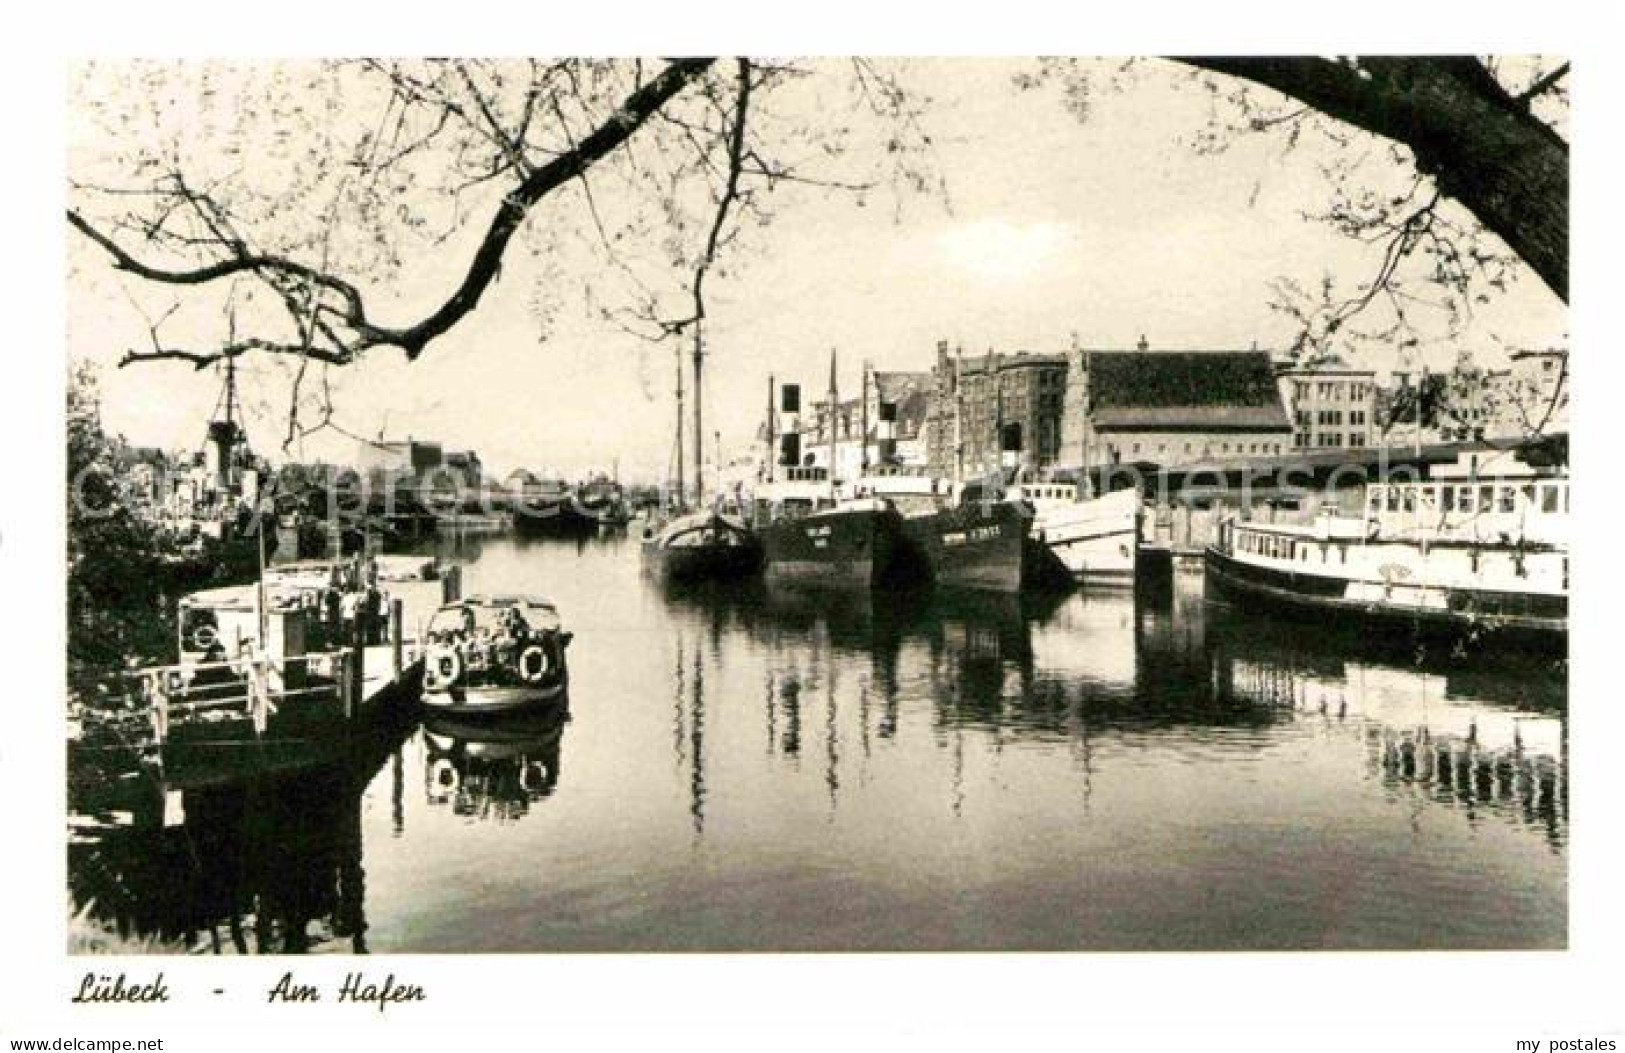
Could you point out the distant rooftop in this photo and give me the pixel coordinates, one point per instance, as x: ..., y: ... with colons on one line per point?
x: 1185, y: 389
x: 1016, y: 360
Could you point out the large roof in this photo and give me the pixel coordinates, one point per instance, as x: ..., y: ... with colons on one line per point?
x: 972, y: 364
x: 1185, y: 390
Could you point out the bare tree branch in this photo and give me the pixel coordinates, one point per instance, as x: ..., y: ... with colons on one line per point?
x: 1542, y: 85
x: 482, y: 270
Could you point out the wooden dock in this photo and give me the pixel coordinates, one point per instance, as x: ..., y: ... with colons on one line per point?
x: 206, y: 722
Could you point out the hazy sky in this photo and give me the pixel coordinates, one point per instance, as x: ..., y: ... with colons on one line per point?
x: 1107, y: 228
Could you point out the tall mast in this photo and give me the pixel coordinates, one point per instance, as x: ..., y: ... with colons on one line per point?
x: 863, y: 420
x: 699, y: 430
x: 772, y: 432
x: 834, y: 413
x: 231, y: 389
x: 678, y: 497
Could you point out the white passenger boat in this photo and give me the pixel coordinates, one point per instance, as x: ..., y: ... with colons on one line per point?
x: 1095, y: 539
x: 1481, y: 543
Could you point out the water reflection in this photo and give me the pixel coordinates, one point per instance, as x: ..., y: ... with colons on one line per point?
x: 1484, y: 737
x: 271, y: 862
x: 764, y: 769
x: 493, y: 770
x: 1121, y: 665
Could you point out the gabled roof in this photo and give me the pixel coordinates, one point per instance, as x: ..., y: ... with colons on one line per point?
x: 1229, y: 390
x: 894, y: 385
x: 912, y: 412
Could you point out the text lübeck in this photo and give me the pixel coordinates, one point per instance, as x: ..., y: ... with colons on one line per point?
x: 101, y: 987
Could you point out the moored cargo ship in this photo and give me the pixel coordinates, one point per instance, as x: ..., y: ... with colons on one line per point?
x: 978, y: 545
x: 857, y: 543
x: 976, y: 541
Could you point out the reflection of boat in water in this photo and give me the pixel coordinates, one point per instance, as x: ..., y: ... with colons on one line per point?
x: 1474, y: 730
x: 495, y: 655
x: 259, y: 862
x: 493, y: 768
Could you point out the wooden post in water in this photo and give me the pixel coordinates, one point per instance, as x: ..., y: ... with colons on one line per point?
x: 160, y: 707
x: 397, y: 625
x: 259, y: 700
x: 357, y: 666
x: 346, y: 706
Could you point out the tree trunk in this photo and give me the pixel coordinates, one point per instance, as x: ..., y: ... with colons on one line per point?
x: 1483, y: 147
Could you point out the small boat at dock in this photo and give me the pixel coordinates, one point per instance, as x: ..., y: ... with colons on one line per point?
x: 495, y: 655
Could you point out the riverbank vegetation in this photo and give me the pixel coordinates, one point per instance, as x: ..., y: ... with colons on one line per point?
x: 115, y: 564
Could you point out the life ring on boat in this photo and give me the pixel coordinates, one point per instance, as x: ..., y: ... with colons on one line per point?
x: 533, y: 664
x: 532, y: 776
x: 443, y: 775
x: 204, y: 637
x: 442, y: 667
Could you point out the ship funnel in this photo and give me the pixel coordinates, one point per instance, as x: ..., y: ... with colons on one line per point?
x: 789, y: 425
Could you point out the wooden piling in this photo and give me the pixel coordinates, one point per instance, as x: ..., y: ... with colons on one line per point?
x: 259, y: 694
x: 358, y: 660
x: 355, y: 661
x: 397, y: 626
x: 159, y: 690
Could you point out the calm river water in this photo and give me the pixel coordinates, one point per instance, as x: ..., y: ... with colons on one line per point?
x: 745, y: 770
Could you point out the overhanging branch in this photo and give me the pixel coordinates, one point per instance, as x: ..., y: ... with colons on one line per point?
x: 363, y: 333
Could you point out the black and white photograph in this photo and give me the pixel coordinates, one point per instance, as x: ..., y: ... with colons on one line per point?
x: 730, y: 507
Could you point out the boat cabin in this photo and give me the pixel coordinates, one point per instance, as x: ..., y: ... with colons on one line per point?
x: 1047, y: 495
x: 796, y: 492
x: 910, y: 491
x: 485, y: 617
x: 222, y: 624
x: 1486, y: 495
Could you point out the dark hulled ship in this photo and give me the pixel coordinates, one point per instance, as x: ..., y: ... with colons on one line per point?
x: 976, y: 545
x: 858, y: 543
